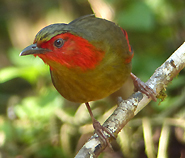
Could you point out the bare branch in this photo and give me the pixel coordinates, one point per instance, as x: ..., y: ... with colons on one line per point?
x: 127, y: 109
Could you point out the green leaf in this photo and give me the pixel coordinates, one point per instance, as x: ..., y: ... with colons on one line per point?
x: 8, y: 74
x: 29, y: 73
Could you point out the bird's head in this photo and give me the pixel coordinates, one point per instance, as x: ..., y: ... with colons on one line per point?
x: 60, y: 44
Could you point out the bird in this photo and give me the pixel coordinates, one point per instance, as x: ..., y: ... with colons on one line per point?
x: 89, y: 59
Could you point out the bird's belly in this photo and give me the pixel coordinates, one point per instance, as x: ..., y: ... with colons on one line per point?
x: 85, y: 87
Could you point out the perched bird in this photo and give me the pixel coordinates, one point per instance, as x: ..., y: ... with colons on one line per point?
x: 89, y: 59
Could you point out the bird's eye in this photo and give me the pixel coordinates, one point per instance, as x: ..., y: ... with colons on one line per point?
x: 59, y: 43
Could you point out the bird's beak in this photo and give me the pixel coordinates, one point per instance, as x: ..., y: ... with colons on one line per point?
x: 33, y: 49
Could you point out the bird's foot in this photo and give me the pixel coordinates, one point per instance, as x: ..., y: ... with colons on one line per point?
x: 99, y: 129
x: 143, y: 87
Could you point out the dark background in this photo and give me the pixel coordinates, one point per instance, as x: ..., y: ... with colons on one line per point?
x: 36, y: 122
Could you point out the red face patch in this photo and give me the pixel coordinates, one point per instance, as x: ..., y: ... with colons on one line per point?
x: 74, y: 52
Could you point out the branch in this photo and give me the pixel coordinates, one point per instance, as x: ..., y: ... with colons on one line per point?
x: 127, y: 109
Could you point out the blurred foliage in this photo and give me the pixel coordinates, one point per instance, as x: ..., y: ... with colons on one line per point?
x: 35, y: 121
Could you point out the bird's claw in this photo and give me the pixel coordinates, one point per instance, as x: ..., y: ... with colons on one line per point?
x: 143, y: 87
x: 99, y: 129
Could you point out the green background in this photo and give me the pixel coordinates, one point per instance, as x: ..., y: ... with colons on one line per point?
x: 36, y: 122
